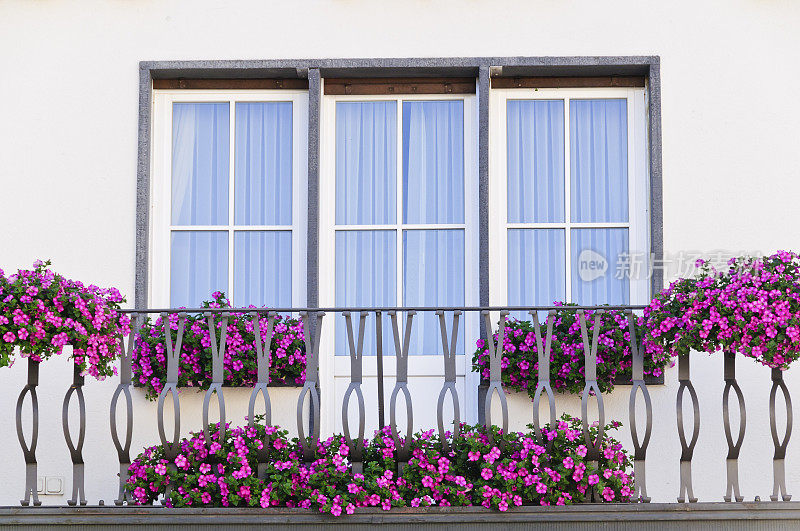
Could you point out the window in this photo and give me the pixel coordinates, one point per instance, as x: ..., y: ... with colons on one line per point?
x: 229, y: 197
x: 569, y: 195
x: 399, y: 210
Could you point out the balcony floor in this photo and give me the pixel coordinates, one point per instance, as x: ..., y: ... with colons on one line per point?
x: 731, y: 516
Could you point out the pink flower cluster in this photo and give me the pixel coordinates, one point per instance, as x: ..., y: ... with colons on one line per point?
x: 519, y: 362
x: 753, y: 309
x: 41, y: 312
x: 486, y: 468
x: 286, y: 351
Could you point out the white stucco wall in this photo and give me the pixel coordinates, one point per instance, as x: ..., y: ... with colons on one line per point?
x: 68, y: 138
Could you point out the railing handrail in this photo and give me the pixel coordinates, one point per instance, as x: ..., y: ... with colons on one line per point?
x: 355, y: 309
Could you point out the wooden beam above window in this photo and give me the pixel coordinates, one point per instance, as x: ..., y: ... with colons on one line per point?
x: 567, y: 82
x: 231, y: 84
x: 389, y: 85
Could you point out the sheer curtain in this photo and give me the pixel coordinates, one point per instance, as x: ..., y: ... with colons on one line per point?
x: 263, y: 163
x: 535, y: 155
x: 200, y: 162
x: 366, y: 275
x: 198, y: 266
x: 262, y: 260
x: 433, y: 263
x: 601, y: 246
x: 262, y: 268
x: 200, y: 167
x: 433, y: 193
x: 598, y: 194
x: 536, y: 266
x: 366, y: 194
x: 599, y: 160
x: 366, y: 163
x: 535, y: 170
x: 599, y: 181
x: 433, y: 162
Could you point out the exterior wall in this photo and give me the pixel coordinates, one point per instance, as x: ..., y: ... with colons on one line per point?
x: 68, y: 140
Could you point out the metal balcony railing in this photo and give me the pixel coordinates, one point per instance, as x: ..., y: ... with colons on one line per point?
x: 313, y: 320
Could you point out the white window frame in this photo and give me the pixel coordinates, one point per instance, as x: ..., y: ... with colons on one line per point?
x: 638, y: 224
x: 161, y: 187
x: 418, y: 365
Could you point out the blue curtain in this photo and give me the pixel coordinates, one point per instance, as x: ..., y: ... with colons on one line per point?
x: 433, y: 192
x: 198, y: 266
x: 366, y: 163
x: 535, y: 155
x: 262, y: 268
x: 599, y: 193
x: 366, y: 275
x: 595, y: 254
x: 433, y: 270
x: 536, y: 268
x: 599, y: 160
x: 263, y: 164
x: 433, y: 162
x: 200, y: 163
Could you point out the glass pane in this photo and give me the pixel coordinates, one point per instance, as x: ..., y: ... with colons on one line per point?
x: 200, y: 163
x: 366, y: 163
x: 262, y: 268
x: 366, y: 276
x: 198, y: 266
x: 596, y: 254
x: 536, y: 268
x: 535, y: 133
x: 263, y: 163
x: 599, y: 160
x: 433, y: 161
x: 433, y: 268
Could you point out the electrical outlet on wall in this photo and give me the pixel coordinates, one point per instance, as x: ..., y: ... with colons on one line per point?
x: 50, y: 485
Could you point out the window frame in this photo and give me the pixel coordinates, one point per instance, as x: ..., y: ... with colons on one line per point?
x: 423, y: 365
x: 327, y: 207
x: 639, y: 208
x: 161, y: 227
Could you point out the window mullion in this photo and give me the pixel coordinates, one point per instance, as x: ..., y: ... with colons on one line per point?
x: 567, y: 205
x: 231, y: 191
x: 399, y: 269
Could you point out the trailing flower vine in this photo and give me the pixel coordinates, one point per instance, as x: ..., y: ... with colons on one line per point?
x: 511, y: 471
x: 752, y: 308
x: 41, y: 312
x: 286, y: 351
x: 520, y: 364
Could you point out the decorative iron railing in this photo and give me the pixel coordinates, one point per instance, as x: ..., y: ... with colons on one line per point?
x: 309, y: 429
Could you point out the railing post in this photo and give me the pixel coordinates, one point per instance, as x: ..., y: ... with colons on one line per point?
x: 312, y: 338
x: 732, y: 462
x: 687, y: 450
x: 401, y: 385
x: 217, y: 375
x: 778, y: 464
x: 495, y: 371
x: 29, y: 451
x: 379, y: 360
x: 356, y: 352
x: 449, y: 353
x: 75, y: 450
x: 262, y: 383
x: 640, y: 447
x: 590, y: 375
x: 543, y: 376
x: 124, y: 387
x: 173, y: 358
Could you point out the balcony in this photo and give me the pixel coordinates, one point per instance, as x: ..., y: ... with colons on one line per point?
x: 686, y: 472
